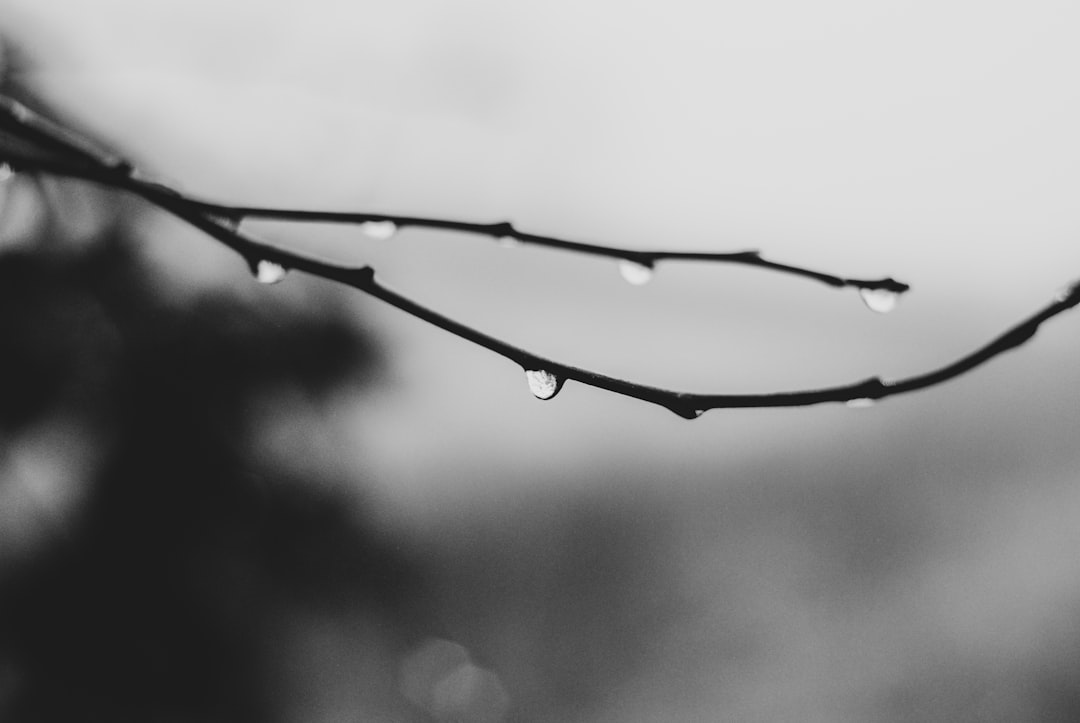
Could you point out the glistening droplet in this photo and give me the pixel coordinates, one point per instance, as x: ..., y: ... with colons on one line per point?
x: 880, y: 300
x: 6, y: 172
x: 861, y: 403
x: 379, y: 230
x: 1067, y: 291
x: 230, y: 222
x: 634, y: 273
x: 269, y: 272
x: 543, y: 384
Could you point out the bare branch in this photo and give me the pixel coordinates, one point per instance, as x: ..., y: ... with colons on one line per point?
x: 32, y: 143
x: 52, y: 139
x: 506, y: 230
x: 21, y: 121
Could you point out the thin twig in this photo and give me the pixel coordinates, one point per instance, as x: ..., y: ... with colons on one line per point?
x: 506, y: 230
x: 20, y: 120
x: 64, y: 155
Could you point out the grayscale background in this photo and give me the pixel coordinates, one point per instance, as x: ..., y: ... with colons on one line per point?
x: 490, y: 557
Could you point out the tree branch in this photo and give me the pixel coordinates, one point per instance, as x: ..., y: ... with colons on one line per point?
x: 506, y: 230
x: 17, y: 119
x: 30, y: 142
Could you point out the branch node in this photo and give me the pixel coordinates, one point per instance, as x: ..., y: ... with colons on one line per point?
x: 686, y: 411
x: 503, y: 228
x: 362, y: 277
x: 872, y: 388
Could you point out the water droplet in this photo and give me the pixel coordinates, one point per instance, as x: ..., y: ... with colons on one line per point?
x: 159, y: 183
x: 861, y: 403
x: 508, y: 242
x: 543, y: 384
x: 1066, y: 291
x: 230, y: 222
x: 269, y: 272
x: 634, y: 273
x: 379, y: 230
x: 880, y: 300
x: 687, y: 412
x: 6, y: 172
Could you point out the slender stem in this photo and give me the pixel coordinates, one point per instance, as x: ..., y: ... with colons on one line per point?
x: 17, y: 119
x: 506, y: 230
x: 46, y: 135
x: 65, y: 154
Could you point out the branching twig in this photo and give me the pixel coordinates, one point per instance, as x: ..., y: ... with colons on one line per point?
x: 33, y: 143
x: 505, y: 230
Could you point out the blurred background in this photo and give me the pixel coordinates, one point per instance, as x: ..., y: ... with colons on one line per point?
x: 227, y: 502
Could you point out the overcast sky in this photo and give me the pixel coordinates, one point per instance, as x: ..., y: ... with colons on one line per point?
x: 931, y: 141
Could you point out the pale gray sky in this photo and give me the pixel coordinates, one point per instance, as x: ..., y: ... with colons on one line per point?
x: 931, y: 141
x: 826, y: 563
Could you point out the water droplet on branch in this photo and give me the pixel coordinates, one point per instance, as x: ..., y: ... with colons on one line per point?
x: 634, y: 273
x: 230, y: 222
x: 861, y: 403
x: 269, y: 272
x: 6, y: 172
x: 880, y: 300
x: 1066, y: 291
x: 687, y: 412
x: 379, y: 230
x: 543, y: 384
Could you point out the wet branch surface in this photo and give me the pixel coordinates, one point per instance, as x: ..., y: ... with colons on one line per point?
x: 30, y: 142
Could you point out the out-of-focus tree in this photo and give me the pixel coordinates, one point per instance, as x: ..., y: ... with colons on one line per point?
x: 153, y: 562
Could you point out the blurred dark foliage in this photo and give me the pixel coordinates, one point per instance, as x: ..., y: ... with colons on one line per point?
x: 158, y: 600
